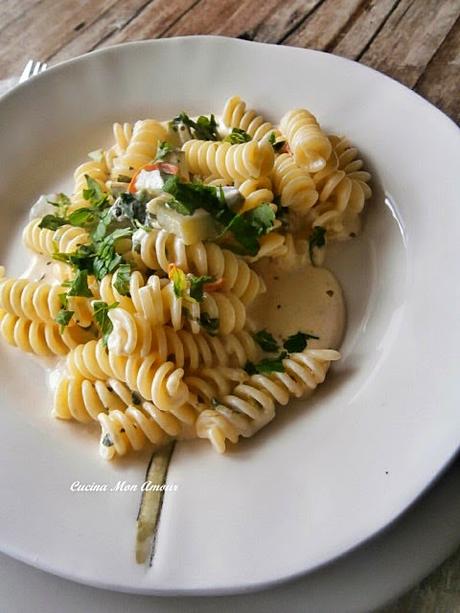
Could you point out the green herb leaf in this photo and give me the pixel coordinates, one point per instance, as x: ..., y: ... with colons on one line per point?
x: 248, y: 227
x: 62, y: 202
x: 82, y: 217
x: 272, y: 138
x: 94, y: 193
x: 317, y: 239
x: 79, y: 285
x: 298, y: 342
x: 266, y: 341
x: 63, y: 318
x: 196, y: 286
x: 106, y: 258
x: 101, y: 315
x: 122, y: 278
x: 63, y: 300
x: 267, y: 366
x: 203, y: 128
x: 163, y: 149
x: 237, y: 136
x: 210, y: 324
x: 52, y: 222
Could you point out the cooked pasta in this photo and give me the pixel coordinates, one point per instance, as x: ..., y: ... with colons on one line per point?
x: 231, y: 162
x: 294, y: 185
x: 134, y: 334
x: 235, y: 115
x: 158, y: 302
x: 170, y: 288
x: 97, y: 170
x: 39, y: 301
x: 158, y: 381
x: 343, y: 188
x: 83, y: 400
x: 159, y: 249
x: 140, y: 149
x: 251, y: 404
x: 65, y: 239
x: 40, y: 338
x: 310, y: 146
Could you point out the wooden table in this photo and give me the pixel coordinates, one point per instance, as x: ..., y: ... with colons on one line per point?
x: 414, y: 41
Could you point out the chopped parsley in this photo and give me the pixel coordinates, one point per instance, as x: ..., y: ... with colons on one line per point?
x: 101, y: 315
x: 197, y: 286
x: 237, y: 136
x: 122, y: 279
x: 266, y: 366
x: 63, y: 318
x: 52, y: 222
x: 94, y: 193
x: 246, y: 228
x: 210, y: 324
x: 276, y: 144
x: 78, y: 286
x: 204, y: 128
x: 266, y: 341
x: 317, y: 239
x: 298, y: 342
x: 163, y: 149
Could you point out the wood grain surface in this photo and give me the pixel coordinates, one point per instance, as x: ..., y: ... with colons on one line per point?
x: 416, y: 42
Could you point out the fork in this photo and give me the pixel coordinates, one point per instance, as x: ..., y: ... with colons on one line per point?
x: 32, y: 68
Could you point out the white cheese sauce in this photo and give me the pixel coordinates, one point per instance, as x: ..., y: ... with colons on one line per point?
x: 308, y: 299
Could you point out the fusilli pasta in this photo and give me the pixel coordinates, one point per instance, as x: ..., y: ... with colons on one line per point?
x: 310, y: 146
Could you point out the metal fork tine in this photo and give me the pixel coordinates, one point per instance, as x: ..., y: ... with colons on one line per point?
x: 36, y: 69
x: 26, y: 72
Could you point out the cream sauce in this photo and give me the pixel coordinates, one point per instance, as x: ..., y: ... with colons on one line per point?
x: 308, y: 299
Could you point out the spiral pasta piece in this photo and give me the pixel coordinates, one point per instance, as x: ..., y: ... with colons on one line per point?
x: 294, y: 185
x: 230, y: 162
x: 157, y: 301
x: 141, y: 149
x: 310, y: 146
x: 343, y: 188
x: 255, y: 192
x: 133, y: 334
x: 135, y: 427
x: 251, y: 404
x: 97, y: 170
x: 40, y: 301
x: 159, y: 249
x: 83, y: 400
x: 122, y: 134
x: 235, y: 115
x: 160, y: 382
x: 66, y: 239
x: 40, y: 338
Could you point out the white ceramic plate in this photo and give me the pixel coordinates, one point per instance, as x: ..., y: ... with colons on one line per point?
x: 327, y: 474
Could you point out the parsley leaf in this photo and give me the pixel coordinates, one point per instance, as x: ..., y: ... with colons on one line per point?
x: 237, y: 136
x: 82, y: 217
x: 196, y: 286
x: 52, y: 222
x: 203, y: 128
x: 191, y: 196
x: 277, y: 145
x: 272, y: 138
x: 122, y: 279
x: 79, y: 285
x: 106, y: 258
x: 267, y: 366
x: 94, y: 193
x: 163, y: 149
x: 63, y: 318
x: 249, y: 226
x: 317, y: 239
x: 298, y: 342
x: 265, y: 341
x: 101, y: 315
x: 210, y: 324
